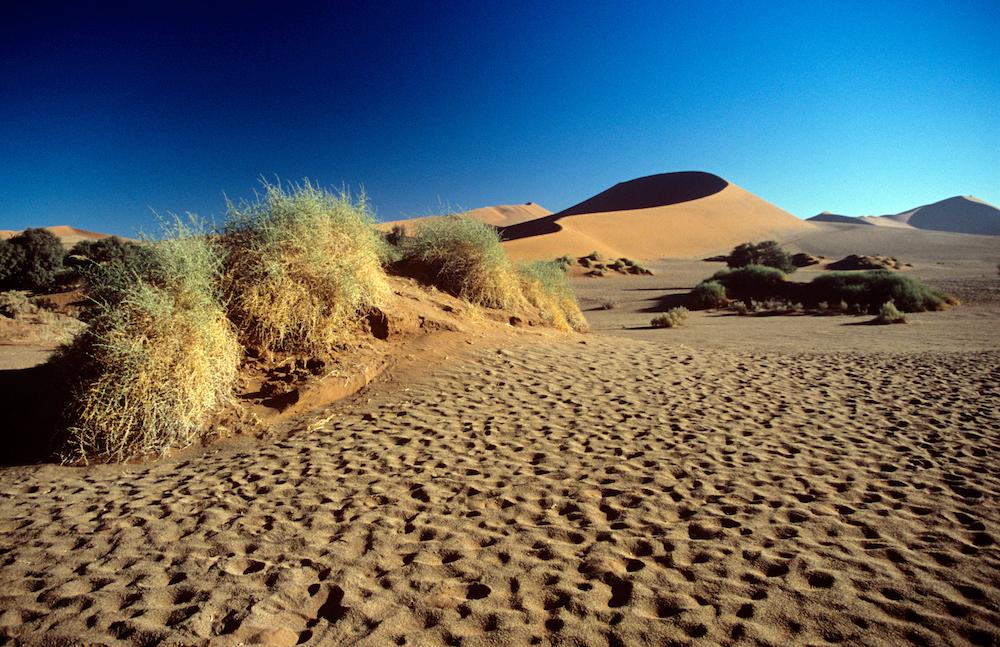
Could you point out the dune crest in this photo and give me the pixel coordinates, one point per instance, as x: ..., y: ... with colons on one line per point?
x: 959, y: 214
x: 671, y: 214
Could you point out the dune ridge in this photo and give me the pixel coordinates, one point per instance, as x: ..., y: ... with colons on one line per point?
x: 681, y: 214
x: 958, y: 214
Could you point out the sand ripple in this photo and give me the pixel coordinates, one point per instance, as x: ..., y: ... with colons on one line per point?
x: 606, y: 493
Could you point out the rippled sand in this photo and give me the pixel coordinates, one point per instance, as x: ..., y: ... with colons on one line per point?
x: 549, y: 492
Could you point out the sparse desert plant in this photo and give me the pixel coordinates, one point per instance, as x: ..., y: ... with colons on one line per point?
x: 608, y: 305
x: 636, y: 268
x: 706, y: 295
x: 464, y: 257
x: 302, y: 266
x: 545, y: 286
x: 597, y: 271
x: 767, y: 253
x: 743, y: 308
x: 671, y: 318
x: 158, y: 358
x: 889, y: 314
x: 566, y: 261
x: 15, y: 303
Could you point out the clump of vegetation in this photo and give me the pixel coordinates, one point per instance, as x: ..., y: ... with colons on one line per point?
x: 889, y: 314
x: 708, y: 294
x: 869, y: 290
x: 671, y: 318
x: 608, y: 305
x: 565, y: 261
x: 302, y: 267
x: 594, y: 262
x: 101, y: 251
x: 545, y: 286
x: 159, y: 357
x: 751, y: 282
x: 30, y: 260
x: 15, y: 303
x: 864, y: 291
x: 464, y: 257
x: 767, y: 253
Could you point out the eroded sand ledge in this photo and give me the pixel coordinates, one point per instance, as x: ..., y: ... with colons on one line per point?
x: 607, y: 492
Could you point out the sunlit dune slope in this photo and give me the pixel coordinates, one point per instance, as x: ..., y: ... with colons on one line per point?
x: 667, y: 215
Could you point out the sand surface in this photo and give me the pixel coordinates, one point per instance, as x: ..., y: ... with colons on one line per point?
x: 588, y: 491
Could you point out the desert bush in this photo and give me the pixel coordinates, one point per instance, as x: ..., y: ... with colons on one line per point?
x: 102, y: 251
x: 870, y: 289
x: 889, y: 314
x: 706, y: 295
x: 464, y: 257
x: 565, y: 261
x: 752, y: 282
x: 608, y: 305
x: 671, y: 318
x: 159, y: 356
x: 767, y: 253
x: 15, y: 303
x: 545, y: 286
x: 30, y: 260
x: 302, y: 266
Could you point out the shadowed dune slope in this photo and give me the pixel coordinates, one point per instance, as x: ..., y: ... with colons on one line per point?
x: 67, y: 235
x: 671, y: 214
x: 960, y: 214
x: 502, y: 215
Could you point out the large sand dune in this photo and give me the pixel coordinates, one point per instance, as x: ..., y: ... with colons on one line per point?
x: 672, y: 214
x: 960, y: 214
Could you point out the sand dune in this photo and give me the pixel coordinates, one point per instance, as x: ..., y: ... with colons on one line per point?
x: 499, y: 216
x: 672, y: 214
x: 614, y: 492
x: 960, y: 214
x: 67, y: 235
x: 909, y: 244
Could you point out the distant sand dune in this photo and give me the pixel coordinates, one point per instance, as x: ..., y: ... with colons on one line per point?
x: 672, y: 214
x: 67, y: 235
x: 499, y: 216
x: 960, y: 214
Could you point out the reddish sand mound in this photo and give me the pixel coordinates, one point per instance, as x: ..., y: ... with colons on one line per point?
x: 67, y: 235
x: 671, y: 214
x: 502, y: 215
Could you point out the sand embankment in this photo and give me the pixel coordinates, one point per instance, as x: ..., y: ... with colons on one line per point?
x: 67, y: 235
x: 607, y: 492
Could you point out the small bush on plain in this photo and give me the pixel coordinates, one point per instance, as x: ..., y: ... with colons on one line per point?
x: 707, y: 294
x: 870, y: 289
x: 302, y: 266
x: 671, y: 318
x: 889, y: 314
x: 751, y: 282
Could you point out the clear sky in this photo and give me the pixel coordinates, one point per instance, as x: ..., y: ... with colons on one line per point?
x: 109, y: 111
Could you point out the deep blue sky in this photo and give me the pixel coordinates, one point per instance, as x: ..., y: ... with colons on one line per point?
x: 108, y: 110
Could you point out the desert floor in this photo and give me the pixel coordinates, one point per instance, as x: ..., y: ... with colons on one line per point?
x: 741, y: 480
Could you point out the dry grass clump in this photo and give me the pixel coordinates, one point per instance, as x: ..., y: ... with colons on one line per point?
x: 159, y: 356
x: 464, y: 257
x: 889, y: 314
x: 545, y: 286
x: 302, y: 266
x: 672, y: 318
